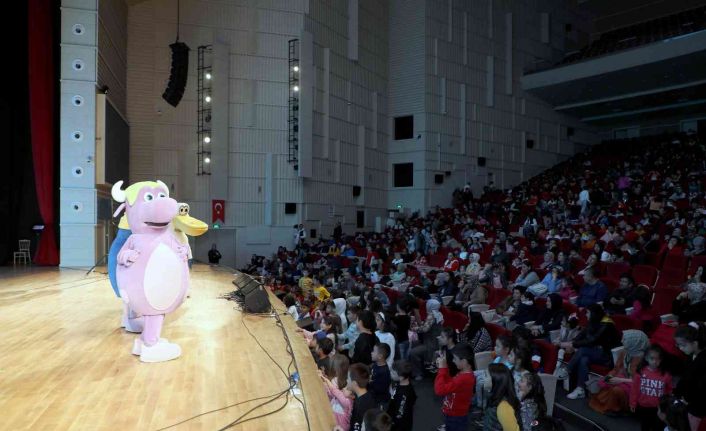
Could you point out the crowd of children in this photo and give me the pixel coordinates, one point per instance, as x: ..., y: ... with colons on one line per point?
x: 550, y: 239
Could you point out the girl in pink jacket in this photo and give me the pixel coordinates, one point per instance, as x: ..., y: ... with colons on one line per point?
x: 650, y: 382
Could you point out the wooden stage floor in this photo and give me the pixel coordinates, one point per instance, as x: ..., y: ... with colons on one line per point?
x: 66, y: 364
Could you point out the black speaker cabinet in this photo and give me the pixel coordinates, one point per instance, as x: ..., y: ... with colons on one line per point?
x: 439, y: 179
x: 481, y: 161
x: 178, y: 74
x: 249, y: 287
x: 447, y: 173
x: 257, y: 301
x: 356, y: 190
x: 530, y: 143
x: 290, y: 208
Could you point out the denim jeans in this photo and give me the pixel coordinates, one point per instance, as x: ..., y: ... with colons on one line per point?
x: 583, y: 358
x: 404, y: 350
x: 456, y: 423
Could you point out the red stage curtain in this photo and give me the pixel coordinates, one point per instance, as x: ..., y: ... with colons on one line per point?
x: 41, y: 120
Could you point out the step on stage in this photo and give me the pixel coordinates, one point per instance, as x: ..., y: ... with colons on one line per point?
x: 66, y: 364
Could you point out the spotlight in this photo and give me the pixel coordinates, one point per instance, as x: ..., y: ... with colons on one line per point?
x: 207, y: 159
x: 295, y: 68
x: 208, y: 75
x: 207, y: 139
x: 295, y: 88
x: 208, y: 99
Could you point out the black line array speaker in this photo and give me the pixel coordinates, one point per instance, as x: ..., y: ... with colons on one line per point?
x: 356, y: 190
x: 178, y: 74
x: 481, y: 161
x: 439, y: 179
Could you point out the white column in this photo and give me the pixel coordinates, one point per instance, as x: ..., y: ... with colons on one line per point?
x: 77, y: 176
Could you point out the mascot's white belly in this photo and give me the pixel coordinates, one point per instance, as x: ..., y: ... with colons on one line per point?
x: 163, y: 278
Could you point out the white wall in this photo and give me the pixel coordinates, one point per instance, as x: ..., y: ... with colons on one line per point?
x: 349, y: 97
x: 474, y: 55
x: 365, y: 62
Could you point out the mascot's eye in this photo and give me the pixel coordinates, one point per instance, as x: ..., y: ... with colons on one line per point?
x: 161, y: 195
x: 149, y: 197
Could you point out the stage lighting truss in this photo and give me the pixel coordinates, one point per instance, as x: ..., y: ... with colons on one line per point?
x: 294, y: 91
x: 203, y: 89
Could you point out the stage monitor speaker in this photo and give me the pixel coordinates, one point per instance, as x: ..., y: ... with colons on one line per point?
x: 439, y: 179
x: 530, y: 143
x: 356, y: 190
x: 248, y: 287
x: 290, y: 208
x: 178, y: 74
x: 481, y: 161
x: 257, y: 301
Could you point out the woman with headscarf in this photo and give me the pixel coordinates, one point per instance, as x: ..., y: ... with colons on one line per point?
x: 550, y: 319
x: 613, y: 391
x: 690, y: 305
x: 340, y: 307
x: 428, y: 331
x: 474, y: 268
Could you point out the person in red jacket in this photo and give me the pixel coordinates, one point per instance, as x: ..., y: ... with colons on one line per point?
x: 457, y: 391
x: 451, y: 264
x: 649, y: 383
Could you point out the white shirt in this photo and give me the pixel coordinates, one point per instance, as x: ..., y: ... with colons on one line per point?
x: 584, y: 197
x: 389, y: 339
x: 293, y: 312
x: 374, y: 276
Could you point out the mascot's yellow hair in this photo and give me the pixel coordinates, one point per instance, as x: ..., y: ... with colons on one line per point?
x: 130, y: 193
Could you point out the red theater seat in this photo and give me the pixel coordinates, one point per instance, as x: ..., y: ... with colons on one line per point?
x: 645, y: 274
x: 549, y: 353
x: 496, y: 330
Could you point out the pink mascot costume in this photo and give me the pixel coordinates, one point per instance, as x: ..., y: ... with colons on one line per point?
x: 152, y: 271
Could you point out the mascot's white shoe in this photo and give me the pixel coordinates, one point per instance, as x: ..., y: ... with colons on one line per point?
x: 137, y: 345
x: 160, y: 352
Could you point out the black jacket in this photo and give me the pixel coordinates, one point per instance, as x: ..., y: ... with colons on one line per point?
x: 604, y: 335
x: 549, y: 320
x: 692, y: 385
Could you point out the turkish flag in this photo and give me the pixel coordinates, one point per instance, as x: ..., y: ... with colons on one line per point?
x: 218, y: 210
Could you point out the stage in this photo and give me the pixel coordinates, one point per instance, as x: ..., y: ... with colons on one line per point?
x: 65, y: 363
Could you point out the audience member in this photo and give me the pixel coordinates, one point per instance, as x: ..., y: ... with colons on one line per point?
x: 401, y: 407
x: 593, y: 346
x: 650, y: 383
x: 457, y: 391
x: 503, y: 410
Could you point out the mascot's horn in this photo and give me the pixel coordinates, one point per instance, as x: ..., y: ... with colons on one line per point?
x: 117, y: 193
x: 163, y: 185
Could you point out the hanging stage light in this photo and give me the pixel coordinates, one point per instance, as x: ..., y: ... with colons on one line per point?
x: 207, y: 139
